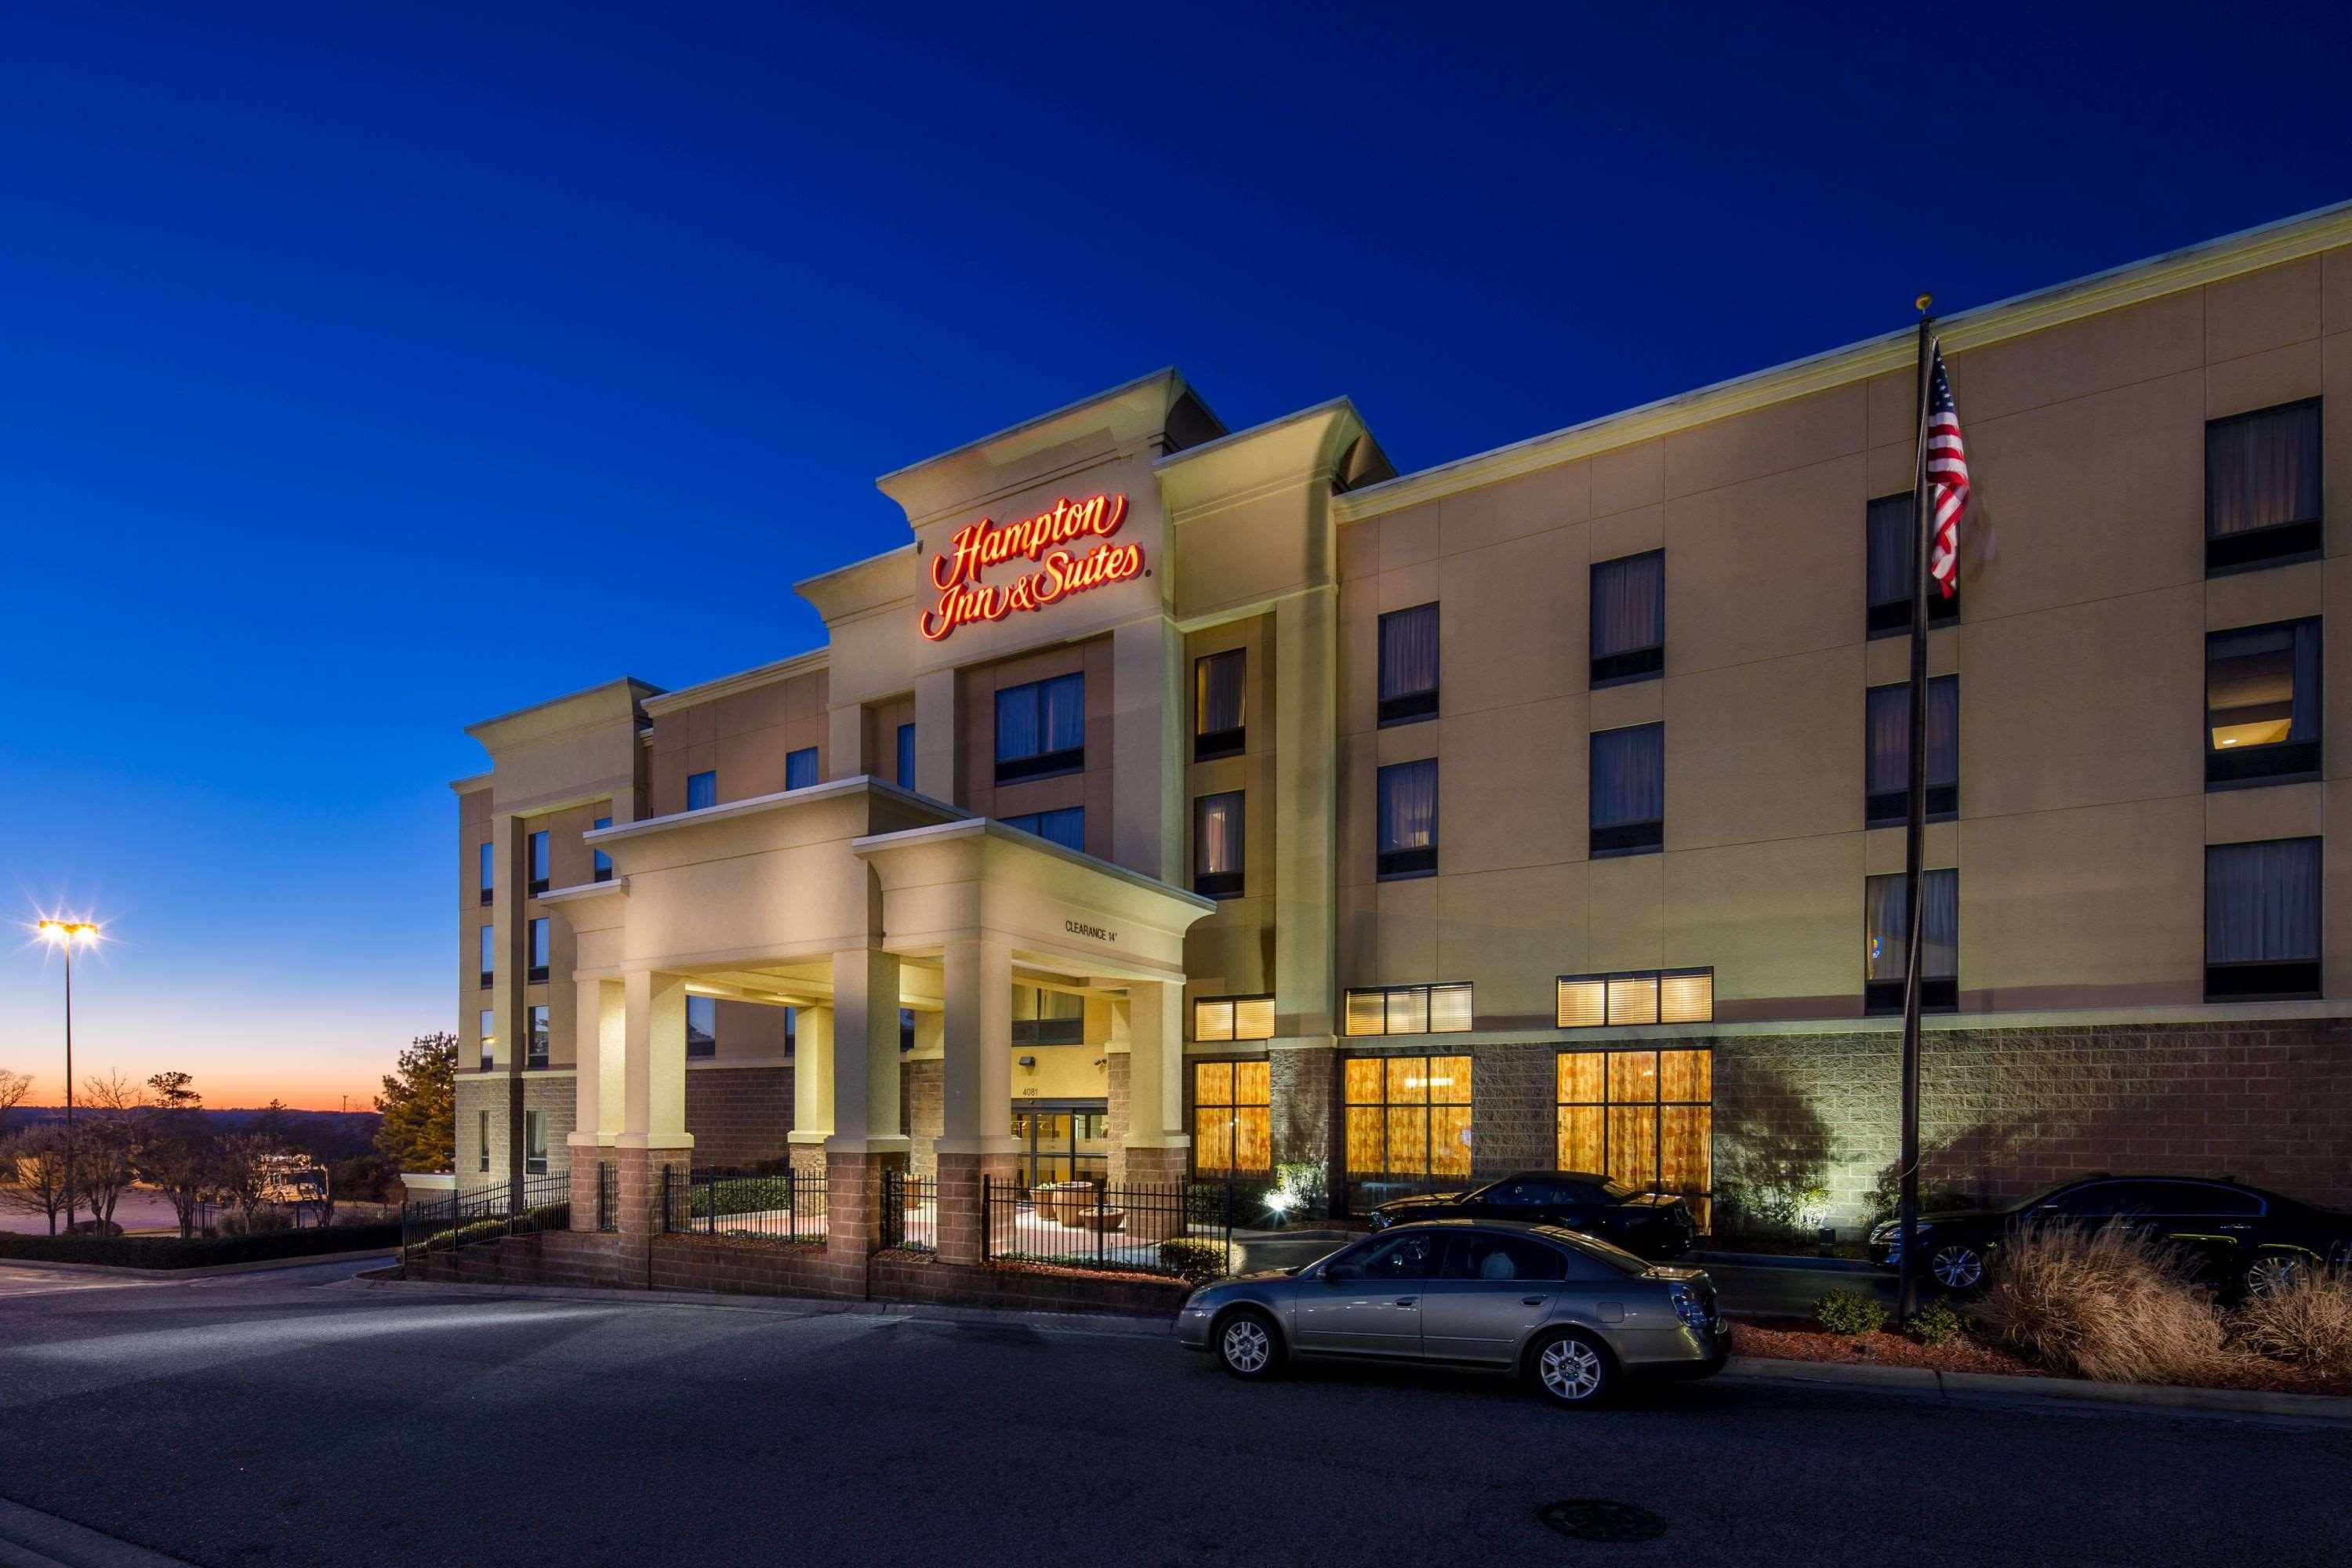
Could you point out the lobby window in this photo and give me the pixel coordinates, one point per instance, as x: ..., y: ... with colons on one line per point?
x: 1044, y: 1017
x: 538, y: 951
x: 1643, y: 1117
x: 906, y: 1028
x: 906, y: 775
x: 2262, y: 921
x: 1885, y: 927
x: 537, y: 1057
x: 1408, y: 819
x: 1408, y: 1123
x: 1409, y: 665
x: 604, y: 861
x: 1629, y: 619
x: 2262, y: 705
x: 1217, y: 845
x: 2262, y: 489
x: 701, y: 1026
x: 534, y: 1142
x: 702, y: 790
x: 1892, y: 545
x: 1066, y: 827
x: 539, y: 862
x: 1232, y: 1119
x: 1628, y: 807
x: 1886, y: 757
x: 1410, y: 1010
x: 489, y: 956
x: 1041, y: 728
x: 1233, y: 1018
x: 1636, y: 996
x: 482, y: 1138
x: 1218, y: 729
x: 489, y: 854
x: 799, y: 768
x: 488, y: 1032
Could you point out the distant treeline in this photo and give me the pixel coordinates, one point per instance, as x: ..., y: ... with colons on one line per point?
x: 324, y: 1135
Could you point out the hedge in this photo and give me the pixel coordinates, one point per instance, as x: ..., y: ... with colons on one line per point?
x: 171, y: 1252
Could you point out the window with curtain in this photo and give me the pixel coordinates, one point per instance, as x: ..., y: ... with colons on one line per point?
x: 1041, y: 728
x: 488, y: 1032
x: 604, y: 861
x: 1218, y: 726
x: 482, y: 1137
x: 488, y: 853
x: 1409, y: 665
x: 1628, y: 791
x: 534, y: 1142
x: 2262, y: 488
x: 1408, y: 819
x: 799, y: 768
x: 1638, y: 997
x: 538, y: 950
x: 539, y: 861
x: 537, y: 1053
x: 702, y: 1025
x: 701, y: 791
x: 905, y: 775
x: 1217, y: 845
x: 1890, y: 547
x: 1232, y: 1119
x: 2262, y: 921
x: 1408, y: 1123
x: 1233, y: 1018
x: 1886, y: 931
x: 1629, y: 619
x: 1066, y: 827
x: 1411, y: 1009
x: 490, y: 954
x: 1645, y: 1118
x: 1044, y: 1017
x: 2262, y: 705
x: 1886, y: 757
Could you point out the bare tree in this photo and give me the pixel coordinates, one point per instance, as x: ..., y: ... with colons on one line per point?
x: 14, y: 1087
x: 105, y: 1142
x: 240, y: 1170
x: 33, y: 1166
x: 172, y: 1147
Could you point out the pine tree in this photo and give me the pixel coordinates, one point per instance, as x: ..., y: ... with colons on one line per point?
x: 419, y: 1102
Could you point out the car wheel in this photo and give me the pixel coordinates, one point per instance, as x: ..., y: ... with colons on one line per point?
x: 1958, y: 1265
x: 1248, y: 1345
x: 1573, y: 1369
x: 2273, y: 1271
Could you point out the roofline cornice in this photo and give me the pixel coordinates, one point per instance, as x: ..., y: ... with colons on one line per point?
x: 815, y: 659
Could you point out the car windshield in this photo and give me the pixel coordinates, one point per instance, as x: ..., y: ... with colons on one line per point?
x: 1601, y: 1252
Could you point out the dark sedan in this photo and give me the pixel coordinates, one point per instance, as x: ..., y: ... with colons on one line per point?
x: 1649, y: 1224
x: 2240, y: 1233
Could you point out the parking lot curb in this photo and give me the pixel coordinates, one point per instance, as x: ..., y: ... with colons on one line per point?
x: 2001, y: 1388
x: 164, y: 1276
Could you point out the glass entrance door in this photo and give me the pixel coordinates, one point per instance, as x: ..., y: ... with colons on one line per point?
x: 1062, y: 1141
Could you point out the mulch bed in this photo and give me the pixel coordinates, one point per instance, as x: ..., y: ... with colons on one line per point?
x: 1799, y: 1339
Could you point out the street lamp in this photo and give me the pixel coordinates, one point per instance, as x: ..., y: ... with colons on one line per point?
x: 65, y: 935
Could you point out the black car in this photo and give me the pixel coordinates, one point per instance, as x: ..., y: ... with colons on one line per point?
x: 1649, y: 1224
x: 2239, y: 1233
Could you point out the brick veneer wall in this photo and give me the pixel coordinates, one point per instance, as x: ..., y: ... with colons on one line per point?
x: 738, y: 1116
x: 478, y: 1092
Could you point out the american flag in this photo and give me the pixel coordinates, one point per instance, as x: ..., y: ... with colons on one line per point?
x: 1948, y: 474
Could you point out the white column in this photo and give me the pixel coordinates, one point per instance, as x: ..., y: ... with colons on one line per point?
x: 976, y: 1074
x: 1155, y: 1066
x: 653, y: 1067
x: 864, y: 1052
x: 599, y: 1053
x: 812, y: 1076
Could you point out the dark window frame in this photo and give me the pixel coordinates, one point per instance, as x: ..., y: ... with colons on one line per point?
x: 707, y: 1046
x: 1892, y: 617
x: 1220, y: 884
x: 2278, y: 543
x: 1041, y: 765
x: 1647, y: 836
x: 793, y: 756
x: 538, y: 1034
x: 1039, y: 1030
x: 1406, y: 706
x: 1033, y: 824
x: 2279, y: 762
x: 904, y: 759
x: 536, y: 973
x: 1892, y: 807
x: 487, y: 943
x: 1938, y: 993
x: 1208, y: 745
x: 486, y: 876
x: 1625, y: 666
x: 540, y: 855
x: 2268, y: 980
x: 603, y: 868
x: 1405, y: 865
x: 693, y: 779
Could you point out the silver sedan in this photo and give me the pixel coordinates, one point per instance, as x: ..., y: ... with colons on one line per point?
x: 1575, y: 1316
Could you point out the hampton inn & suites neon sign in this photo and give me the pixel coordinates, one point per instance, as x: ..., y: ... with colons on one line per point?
x: 1056, y: 541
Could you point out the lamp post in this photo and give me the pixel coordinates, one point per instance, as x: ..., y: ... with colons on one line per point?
x: 65, y: 933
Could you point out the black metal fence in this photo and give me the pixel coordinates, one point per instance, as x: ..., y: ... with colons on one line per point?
x: 775, y: 1206
x: 910, y: 1212
x: 1184, y: 1229
x: 485, y: 1214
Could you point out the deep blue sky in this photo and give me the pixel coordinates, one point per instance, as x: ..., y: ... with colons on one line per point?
x: 372, y: 369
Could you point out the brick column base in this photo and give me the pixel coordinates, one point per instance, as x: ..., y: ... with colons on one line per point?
x: 586, y: 1158
x: 853, y: 1217
x: 1155, y: 1191
x: 638, y: 1196
x: 958, y: 1207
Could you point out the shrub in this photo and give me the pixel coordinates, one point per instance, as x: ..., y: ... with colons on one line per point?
x: 171, y: 1252
x: 2306, y: 1322
x: 740, y: 1194
x: 1845, y: 1312
x: 263, y: 1222
x: 2105, y: 1303
x: 1196, y: 1259
x: 1938, y: 1322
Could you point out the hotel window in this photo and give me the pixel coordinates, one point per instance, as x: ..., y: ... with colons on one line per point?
x: 1643, y: 1117
x: 1629, y: 790
x: 487, y: 1031
x: 701, y: 791
x: 1041, y: 728
x: 1217, y: 845
x: 1233, y: 1018
x: 2262, y: 921
x: 1629, y: 619
x: 906, y: 1028
x: 2262, y: 705
x: 906, y: 779
x: 537, y: 1057
x: 1409, y: 665
x: 539, y: 862
x: 701, y: 1026
x: 1232, y: 1119
x: 2262, y: 489
x: 1043, y: 1017
x: 1886, y: 759
x: 538, y: 951
x: 1411, y: 1010
x: 1217, y: 722
x: 1066, y: 827
x: 1892, y: 545
x: 604, y: 861
x: 799, y: 768
x: 482, y: 1137
x: 489, y: 956
x: 488, y: 851
x: 1408, y: 1123
x: 1636, y: 996
x: 1408, y: 819
x: 534, y: 1142
x: 1885, y: 927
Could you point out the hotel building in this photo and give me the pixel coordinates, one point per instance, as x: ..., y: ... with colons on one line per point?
x: 1179, y: 799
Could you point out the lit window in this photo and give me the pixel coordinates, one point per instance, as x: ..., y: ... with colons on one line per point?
x: 1643, y: 1117
x: 534, y: 1142
x: 1643, y: 997
x: 2262, y: 705
x: 1409, y: 665
x: 2262, y: 921
x: 1411, y: 1010
x: 799, y: 768
x: 489, y: 854
x: 1217, y: 846
x: 1886, y: 757
x: 1066, y: 827
x: 604, y: 861
x: 1045, y: 1017
x: 2262, y: 489
x: 1217, y: 699
x: 537, y: 1057
x: 489, y: 954
x: 488, y: 1032
x: 538, y: 951
x: 1407, y: 843
x: 702, y: 790
x: 1041, y: 728
x: 1629, y: 619
x: 539, y: 861
x: 1232, y: 1118
x: 702, y: 1025
x: 1892, y: 545
x: 1408, y: 1123
x: 906, y: 756
x: 1233, y: 1018
x: 1886, y: 925
x: 1628, y: 807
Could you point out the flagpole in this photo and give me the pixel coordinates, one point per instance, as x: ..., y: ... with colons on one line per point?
x: 1915, y: 828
